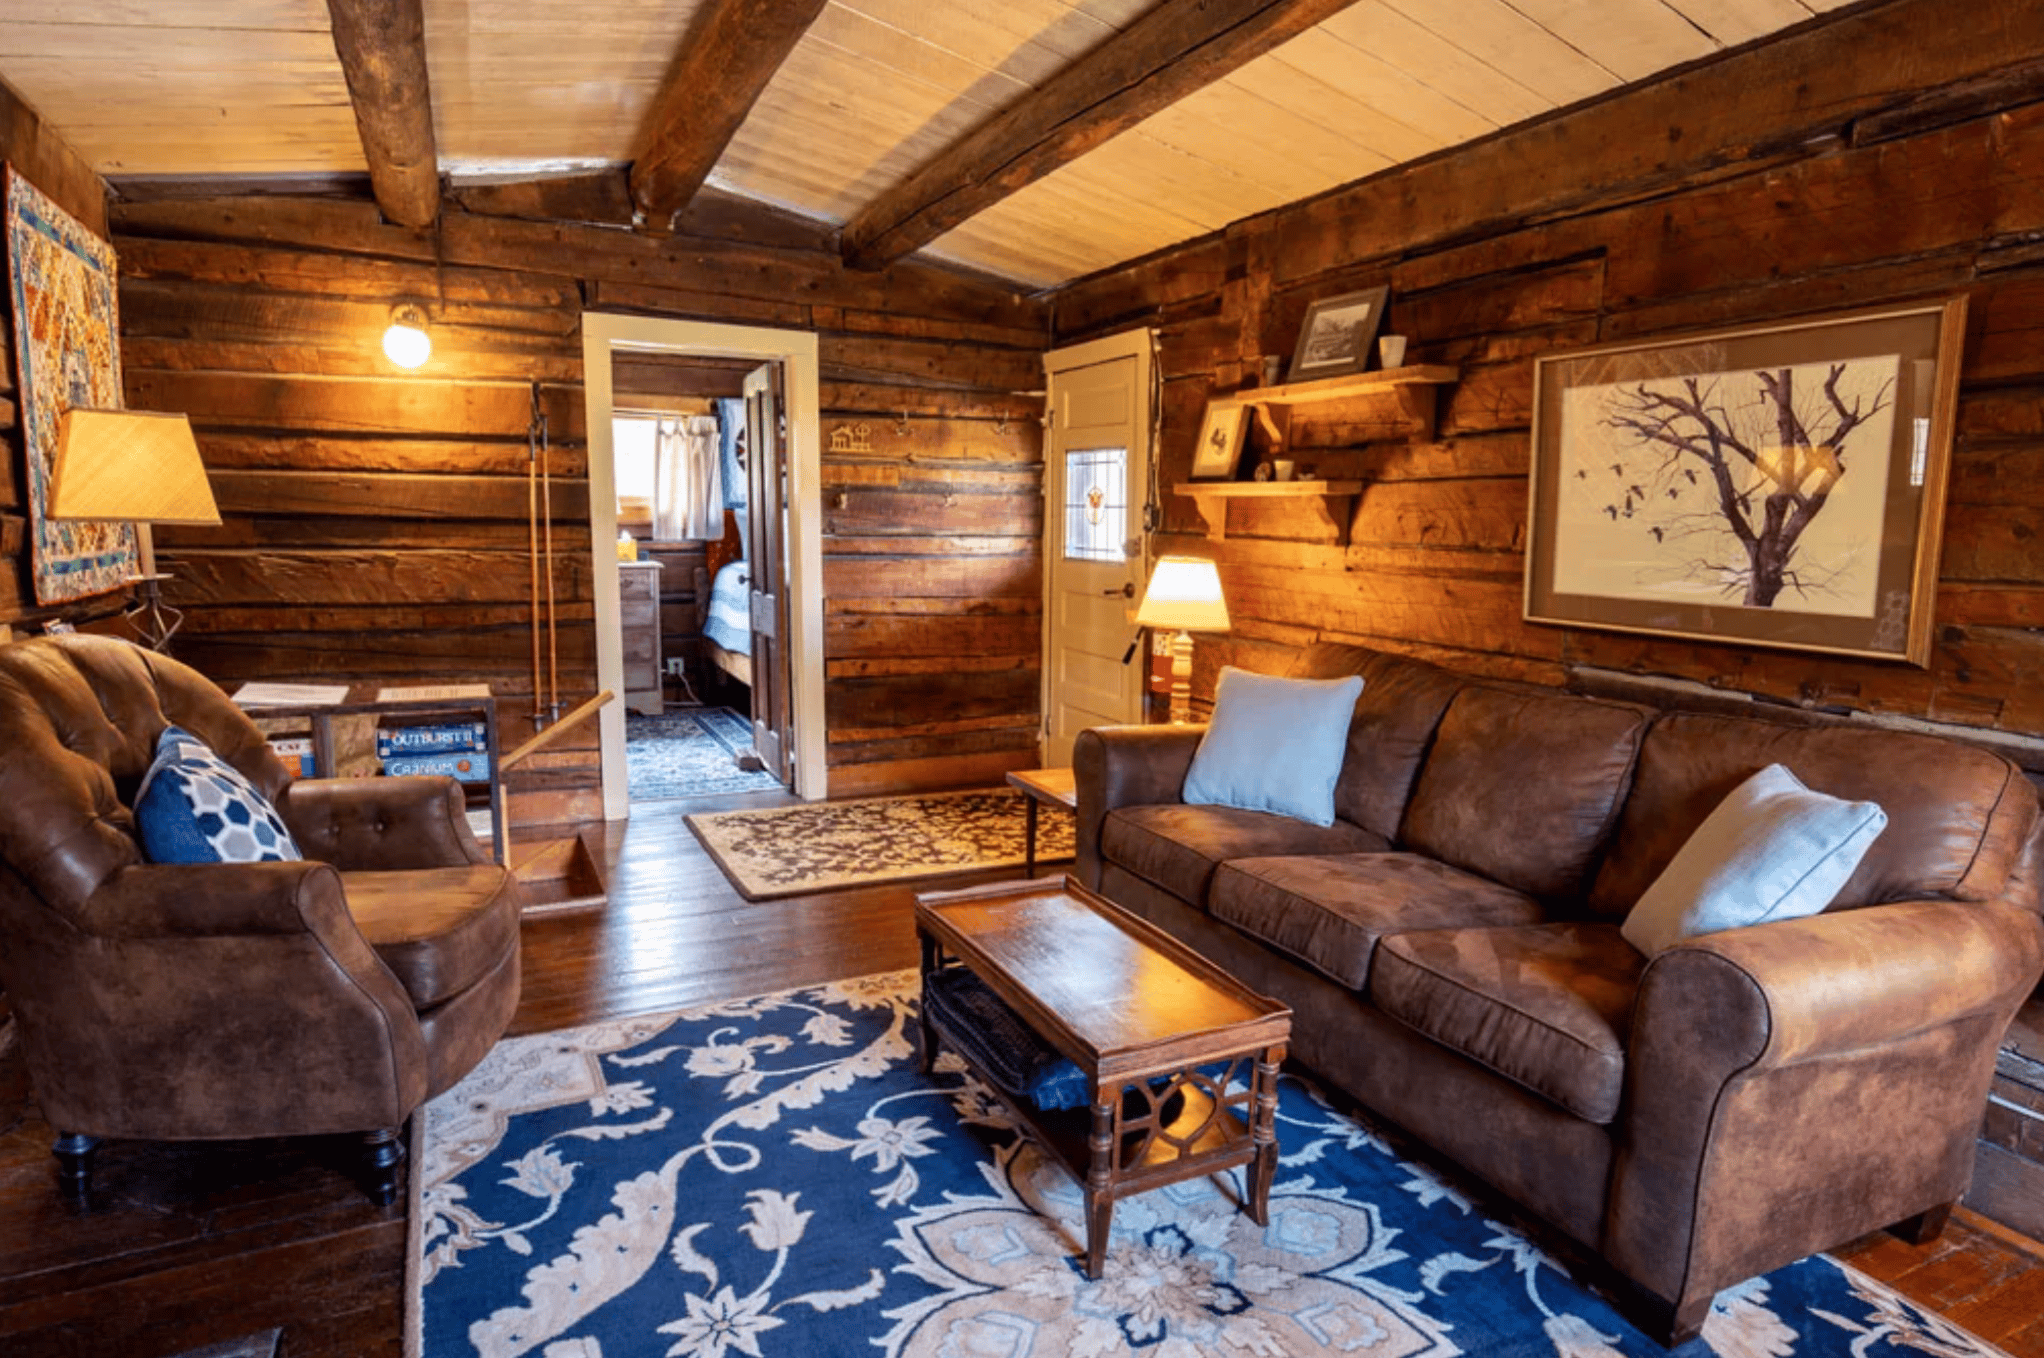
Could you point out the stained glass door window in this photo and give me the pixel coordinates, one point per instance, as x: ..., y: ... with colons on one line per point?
x: 1096, y: 505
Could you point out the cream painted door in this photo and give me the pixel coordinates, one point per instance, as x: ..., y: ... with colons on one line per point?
x: 1096, y: 483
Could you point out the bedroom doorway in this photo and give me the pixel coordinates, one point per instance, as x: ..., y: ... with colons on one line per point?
x: 722, y: 494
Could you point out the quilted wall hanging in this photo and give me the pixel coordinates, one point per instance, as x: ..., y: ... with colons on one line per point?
x: 61, y: 279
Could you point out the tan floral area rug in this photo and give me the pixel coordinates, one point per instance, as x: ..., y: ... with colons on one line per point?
x: 790, y: 851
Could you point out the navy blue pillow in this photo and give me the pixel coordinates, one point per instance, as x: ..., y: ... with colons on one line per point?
x: 194, y: 807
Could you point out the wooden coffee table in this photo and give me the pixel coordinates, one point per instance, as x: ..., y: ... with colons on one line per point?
x: 1139, y: 1013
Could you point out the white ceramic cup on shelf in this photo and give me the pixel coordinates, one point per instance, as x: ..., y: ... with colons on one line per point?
x: 1391, y: 351
x: 1283, y: 468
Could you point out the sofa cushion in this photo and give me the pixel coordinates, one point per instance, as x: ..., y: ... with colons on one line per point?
x: 439, y: 929
x: 195, y: 807
x: 1522, y: 788
x: 1273, y: 745
x: 1958, y: 816
x: 1401, y: 705
x: 1330, y: 911
x: 1772, y: 850
x: 1547, y: 1006
x: 1178, y: 847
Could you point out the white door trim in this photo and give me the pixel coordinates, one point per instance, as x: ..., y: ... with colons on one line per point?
x: 1141, y: 345
x: 602, y: 333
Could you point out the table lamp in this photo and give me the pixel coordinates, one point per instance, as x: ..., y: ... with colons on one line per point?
x: 1184, y: 597
x: 137, y: 466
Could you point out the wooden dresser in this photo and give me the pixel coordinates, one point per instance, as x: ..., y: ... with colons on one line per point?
x: 638, y: 596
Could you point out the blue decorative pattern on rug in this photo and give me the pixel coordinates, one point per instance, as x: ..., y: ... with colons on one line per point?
x: 773, y: 1176
x: 690, y: 754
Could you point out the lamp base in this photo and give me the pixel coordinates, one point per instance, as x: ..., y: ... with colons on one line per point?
x: 1181, y: 679
x: 155, y: 622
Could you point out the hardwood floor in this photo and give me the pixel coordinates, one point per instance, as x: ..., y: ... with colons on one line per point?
x: 183, y: 1246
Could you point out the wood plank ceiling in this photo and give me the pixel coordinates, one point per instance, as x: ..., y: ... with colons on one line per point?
x: 873, y: 90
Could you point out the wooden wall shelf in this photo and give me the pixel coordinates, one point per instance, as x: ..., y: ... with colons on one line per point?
x: 1211, y: 499
x: 1413, y: 385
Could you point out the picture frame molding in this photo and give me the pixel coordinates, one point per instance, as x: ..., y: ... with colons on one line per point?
x: 1213, y: 469
x: 1951, y: 312
x: 1379, y: 299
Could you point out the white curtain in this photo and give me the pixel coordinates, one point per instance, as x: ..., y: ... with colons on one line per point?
x: 688, y: 491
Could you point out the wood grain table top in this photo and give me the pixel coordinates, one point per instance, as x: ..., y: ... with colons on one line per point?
x: 1108, y: 989
x: 1058, y: 787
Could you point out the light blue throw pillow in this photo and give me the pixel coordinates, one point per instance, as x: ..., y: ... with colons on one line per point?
x: 1275, y: 745
x: 195, y: 807
x: 1772, y: 850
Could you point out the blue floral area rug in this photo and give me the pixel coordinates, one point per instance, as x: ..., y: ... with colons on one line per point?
x: 773, y: 1176
x: 690, y: 754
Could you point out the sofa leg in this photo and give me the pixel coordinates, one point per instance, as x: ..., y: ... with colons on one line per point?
x: 1924, y: 1227
x: 74, y: 1159
x: 1669, y: 1324
x: 381, y: 1152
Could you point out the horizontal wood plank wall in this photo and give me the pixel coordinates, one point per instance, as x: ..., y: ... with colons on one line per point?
x: 376, y: 519
x: 1909, y: 193
x: 46, y: 161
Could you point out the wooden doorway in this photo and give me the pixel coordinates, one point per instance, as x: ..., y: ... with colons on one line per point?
x: 1095, y: 545
x: 799, y: 601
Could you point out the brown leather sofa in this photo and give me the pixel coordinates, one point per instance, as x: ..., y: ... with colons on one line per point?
x: 1450, y: 948
x: 228, y: 1001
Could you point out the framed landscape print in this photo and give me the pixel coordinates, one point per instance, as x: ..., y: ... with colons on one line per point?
x: 1220, y: 441
x: 1779, y: 486
x: 1338, y: 334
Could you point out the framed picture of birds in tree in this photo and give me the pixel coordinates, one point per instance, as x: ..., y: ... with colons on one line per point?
x: 1782, y: 485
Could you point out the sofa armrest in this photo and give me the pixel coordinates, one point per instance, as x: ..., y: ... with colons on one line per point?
x: 381, y: 824
x: 216, y: 1000
x: 1797, y: 1084
x: 1125, y: 766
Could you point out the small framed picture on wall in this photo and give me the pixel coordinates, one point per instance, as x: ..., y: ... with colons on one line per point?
x: 1338, y: 334
x: 1220, y: 441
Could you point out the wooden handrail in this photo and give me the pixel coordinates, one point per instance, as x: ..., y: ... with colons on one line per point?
x: 556, y: 731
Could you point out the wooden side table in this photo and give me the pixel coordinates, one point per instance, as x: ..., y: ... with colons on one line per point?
x: 1043, y: 787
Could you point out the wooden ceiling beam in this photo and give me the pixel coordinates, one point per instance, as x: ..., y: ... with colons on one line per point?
x: 1172, y: 51
x: 732, y: 50
x: 382, y: 46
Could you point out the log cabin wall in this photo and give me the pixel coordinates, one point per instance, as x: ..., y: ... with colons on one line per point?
x: 376, y: 519
x: 1792, y: 178
x: 51, y: 165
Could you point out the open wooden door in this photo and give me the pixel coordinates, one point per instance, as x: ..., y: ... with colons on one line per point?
x: 766, y: 469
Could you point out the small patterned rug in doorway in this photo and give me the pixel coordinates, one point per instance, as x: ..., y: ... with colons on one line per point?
x: 789, y: 851
x: 690, y: 754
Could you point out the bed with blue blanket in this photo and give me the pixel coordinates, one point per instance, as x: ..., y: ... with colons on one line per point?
x: 728, y: 628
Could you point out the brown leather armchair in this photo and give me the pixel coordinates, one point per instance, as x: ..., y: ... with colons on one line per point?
x: 230, y: 1001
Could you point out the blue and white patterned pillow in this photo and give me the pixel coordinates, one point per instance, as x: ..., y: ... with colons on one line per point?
x: 194, y: 807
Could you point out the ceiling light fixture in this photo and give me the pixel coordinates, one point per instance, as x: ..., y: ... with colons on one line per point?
x: 406, y: 343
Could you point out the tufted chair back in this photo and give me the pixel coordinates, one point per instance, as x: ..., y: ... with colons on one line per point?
x: 79, y: 720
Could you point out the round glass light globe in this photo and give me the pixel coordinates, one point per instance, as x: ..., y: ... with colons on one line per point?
x: 407, y: 346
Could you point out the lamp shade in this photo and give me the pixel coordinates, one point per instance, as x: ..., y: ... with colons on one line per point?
x: 129, y: 464
x: 1184, y: 596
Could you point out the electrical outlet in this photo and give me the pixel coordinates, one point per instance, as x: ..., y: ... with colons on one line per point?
x: 674, y: 667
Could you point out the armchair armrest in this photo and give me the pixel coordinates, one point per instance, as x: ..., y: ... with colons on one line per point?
x: 381, y: 824
x: 1797, y: 1084
x: 1119, y: 766
x: 195, y: 1001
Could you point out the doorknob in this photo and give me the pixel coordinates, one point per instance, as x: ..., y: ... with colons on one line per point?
x: 1127, y: 590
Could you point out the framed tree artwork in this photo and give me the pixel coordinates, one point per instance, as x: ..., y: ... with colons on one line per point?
x: 1780, y: 486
